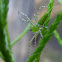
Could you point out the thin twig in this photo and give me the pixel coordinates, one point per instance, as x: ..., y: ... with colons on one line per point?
x: 21, y: 35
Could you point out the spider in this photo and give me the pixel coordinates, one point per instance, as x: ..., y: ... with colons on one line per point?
x: 37, y: 26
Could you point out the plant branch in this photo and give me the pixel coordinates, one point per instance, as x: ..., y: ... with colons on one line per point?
x: 5, y: 48
x: 57, y: 37
x: 21, y: 35
x: 2, y: 56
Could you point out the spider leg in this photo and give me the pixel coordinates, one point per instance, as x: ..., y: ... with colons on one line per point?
x: 30, y: 21
x: 24, y: 14
x: 40, y: 9
x: 36, y: 18
x: 27, y: 21
x: 41, y: 34
x: 36, y: 37
x: 35, y: 41
x: 30, y: 44
x: 22, y: 19
x: 45, y: 26
x: 32, y: 40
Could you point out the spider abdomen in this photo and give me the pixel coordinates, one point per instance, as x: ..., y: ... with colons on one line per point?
x: 43, y: 19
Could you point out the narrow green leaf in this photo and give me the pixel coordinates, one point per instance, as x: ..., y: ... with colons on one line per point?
x: 21, y: 35
x: 5, y: 48
x: 58, y: 37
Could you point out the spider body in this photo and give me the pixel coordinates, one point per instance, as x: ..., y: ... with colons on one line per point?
x: 36, y: 28
x: 41, y: 21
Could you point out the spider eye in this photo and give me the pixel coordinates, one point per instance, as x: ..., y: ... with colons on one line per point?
x: 43, y: 19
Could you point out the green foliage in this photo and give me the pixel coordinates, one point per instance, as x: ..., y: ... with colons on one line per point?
x: 49, y: 9
x: 5, y: 48
x: 60, y: 1
x: 58, y: 37
x: 0, y: 2
x: 2, y: 56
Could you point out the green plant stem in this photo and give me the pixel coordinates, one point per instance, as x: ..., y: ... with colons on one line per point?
x: 7, y: 33
x: 2, y: 56
x: 57, y: 37
x: 21, y: 35
x: 49, y: 9
x: 5, y: 48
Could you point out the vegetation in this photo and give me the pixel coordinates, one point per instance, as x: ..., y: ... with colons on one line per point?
x: 5, y: 45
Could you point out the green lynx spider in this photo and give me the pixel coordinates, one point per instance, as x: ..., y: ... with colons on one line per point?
x: 36, y: 28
